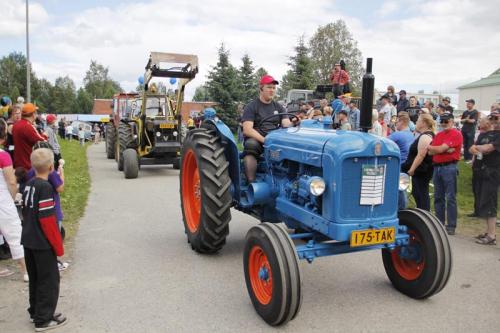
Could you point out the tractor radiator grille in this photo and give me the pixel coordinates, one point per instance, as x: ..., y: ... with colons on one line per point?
x: 350, y: 207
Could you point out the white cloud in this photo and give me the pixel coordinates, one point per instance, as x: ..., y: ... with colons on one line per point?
x: 438, y: 44
x: 388, y: 8
x: 13, y: 19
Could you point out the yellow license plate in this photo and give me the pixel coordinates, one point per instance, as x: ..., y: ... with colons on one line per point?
x: 372, y: 237
x: 167, y: 125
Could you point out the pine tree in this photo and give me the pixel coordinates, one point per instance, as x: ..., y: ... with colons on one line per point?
x: 223, y: 88
x: 301, y: 72
x: 248, y: 80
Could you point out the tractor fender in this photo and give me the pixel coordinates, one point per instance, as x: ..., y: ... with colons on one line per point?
x: 231, y: 152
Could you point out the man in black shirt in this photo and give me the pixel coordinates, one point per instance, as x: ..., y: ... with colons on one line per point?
x: 487, y: 148
x: 254, y: 129
x: 469, y: 122
x: 403, y: 102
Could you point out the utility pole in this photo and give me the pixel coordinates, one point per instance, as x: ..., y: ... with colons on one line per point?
x: 28, y: 64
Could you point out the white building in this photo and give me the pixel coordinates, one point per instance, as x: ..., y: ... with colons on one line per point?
x: 485, y: 92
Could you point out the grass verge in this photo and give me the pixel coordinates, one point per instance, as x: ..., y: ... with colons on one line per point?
x: 76, y: 184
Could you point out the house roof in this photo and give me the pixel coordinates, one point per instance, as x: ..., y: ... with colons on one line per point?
x: 492, y: 80
x: 102, y: 106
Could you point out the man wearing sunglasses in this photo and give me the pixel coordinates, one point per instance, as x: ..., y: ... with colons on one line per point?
x: 445, y: 151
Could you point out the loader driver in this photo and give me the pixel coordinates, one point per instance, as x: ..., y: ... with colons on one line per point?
x: 254, y: 130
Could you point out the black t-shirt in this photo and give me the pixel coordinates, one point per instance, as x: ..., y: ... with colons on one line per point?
x: 256, y: 111
x: 491, y: 160
x: 468, y: 127
x: 38, y: 202
x: 413, y: 113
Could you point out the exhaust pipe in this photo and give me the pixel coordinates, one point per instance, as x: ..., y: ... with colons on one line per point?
x: 365, y: 121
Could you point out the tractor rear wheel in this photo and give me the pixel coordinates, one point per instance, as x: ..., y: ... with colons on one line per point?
x: 272, y: 273
x: 421, y: 268
x: 110, y: 141
x: 125, y: 140
x: 205, y: 191
x: 130, y: 163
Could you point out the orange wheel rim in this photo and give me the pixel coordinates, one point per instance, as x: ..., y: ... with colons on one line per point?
x: 191, y: 191
x: 409, y: 269
x: 261, y: 276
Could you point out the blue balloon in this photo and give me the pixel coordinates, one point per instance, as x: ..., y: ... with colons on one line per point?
x: 141, y: 79
x: 173, y: 80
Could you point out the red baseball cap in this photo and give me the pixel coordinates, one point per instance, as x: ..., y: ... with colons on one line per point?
x: 268, y: 79
x: 51, y: 118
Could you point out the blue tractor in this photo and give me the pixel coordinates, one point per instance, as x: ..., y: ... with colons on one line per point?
x: 335, y: 191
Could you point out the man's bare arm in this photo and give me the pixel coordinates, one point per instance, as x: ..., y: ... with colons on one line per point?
x: 250, y: 132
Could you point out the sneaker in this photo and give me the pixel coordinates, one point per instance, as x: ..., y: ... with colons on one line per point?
x: 54, y: 323
x: 468, y: 162
x: 26, y: 278
x: 62, y: 265
x: 450, y: 231
x: 472, y: 215
x: 57, y: 315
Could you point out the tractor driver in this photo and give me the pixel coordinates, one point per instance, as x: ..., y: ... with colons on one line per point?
x: 253, y: 130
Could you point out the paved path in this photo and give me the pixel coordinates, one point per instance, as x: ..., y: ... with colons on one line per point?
x: 133, y: 271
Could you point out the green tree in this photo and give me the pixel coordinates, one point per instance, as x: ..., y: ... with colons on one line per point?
x: 330, y: 44
x: 223, y: 88
x: 201, y: 94
x: 42, y: 94
x: 260, y: 73
x: 83, y: 102
x: 97, y: 82
x: 63, y: 95
x: 248, y: 80
x: 301, y: 72
x: 13, y: 75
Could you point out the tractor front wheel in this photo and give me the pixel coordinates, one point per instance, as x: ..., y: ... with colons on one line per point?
x: 272, y: 273
x: 130, y: 163
x: 110, y: 141
x: 125, y: 140
x: 421, y: 268
x: 205, y: 191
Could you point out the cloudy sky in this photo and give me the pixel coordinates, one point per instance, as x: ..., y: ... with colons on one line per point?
x: 415, y: 44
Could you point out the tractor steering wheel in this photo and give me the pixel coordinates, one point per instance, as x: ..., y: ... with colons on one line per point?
x: 266, y: 119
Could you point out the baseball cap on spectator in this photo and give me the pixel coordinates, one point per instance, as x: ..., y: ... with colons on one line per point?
x: 446, y: 116
x: 470, y: 100
x: 402, y: 92
x: 28, y: 109
x: 51, y: 118
x: 447, y: 99
x: 268, y: 79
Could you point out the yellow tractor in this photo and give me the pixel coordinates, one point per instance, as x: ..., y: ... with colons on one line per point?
x: 152, y: 132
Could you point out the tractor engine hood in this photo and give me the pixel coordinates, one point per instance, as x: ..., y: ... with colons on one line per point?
x: 308, y: 142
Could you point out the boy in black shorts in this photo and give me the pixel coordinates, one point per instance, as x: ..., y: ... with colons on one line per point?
x: 42, y: 243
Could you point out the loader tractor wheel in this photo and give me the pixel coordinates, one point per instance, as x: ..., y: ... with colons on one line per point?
x: 130, y: 163
x: 205, y: 191
x: 421, y: 268
x: 272, y: 273
x: 125, y: 140
x: 110, y: 141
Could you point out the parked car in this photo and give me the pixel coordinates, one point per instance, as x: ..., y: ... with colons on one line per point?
x: 87, y: 128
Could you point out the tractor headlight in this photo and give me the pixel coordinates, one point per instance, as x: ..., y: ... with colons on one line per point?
x: 404, y: 181
x: 317, y: 186
x: 175, y: 133
x: 158, y: 134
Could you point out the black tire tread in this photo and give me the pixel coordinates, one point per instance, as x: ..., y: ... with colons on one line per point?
x: 110, y: 141
x: 130, y: 164
x: 215, y: 188
x: 125, y: 140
